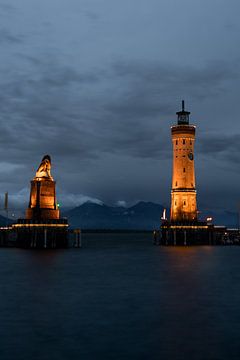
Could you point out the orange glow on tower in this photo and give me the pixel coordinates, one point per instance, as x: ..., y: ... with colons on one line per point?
x: 183, y: 194
x: 43, y: 202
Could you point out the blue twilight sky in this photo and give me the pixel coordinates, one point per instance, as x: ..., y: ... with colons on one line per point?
x: 96, y: 84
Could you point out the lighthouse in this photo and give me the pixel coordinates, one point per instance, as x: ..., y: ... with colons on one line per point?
x: 184, y: 227
x: 183, y: 194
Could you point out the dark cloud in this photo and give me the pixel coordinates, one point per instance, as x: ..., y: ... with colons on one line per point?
x: 6, y: 8
x: 122, y: 110
x: 223, y: 147
x: 156, y: 79
x: 219, y: 144
x: 7, y: 37
x: 92, y: 15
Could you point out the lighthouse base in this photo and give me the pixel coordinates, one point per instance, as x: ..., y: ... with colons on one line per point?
x: 187, y: 233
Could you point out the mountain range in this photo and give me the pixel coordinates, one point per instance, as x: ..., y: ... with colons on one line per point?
x: 142, y: 216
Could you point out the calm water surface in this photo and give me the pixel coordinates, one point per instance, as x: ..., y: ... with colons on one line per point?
x: 120, y: 297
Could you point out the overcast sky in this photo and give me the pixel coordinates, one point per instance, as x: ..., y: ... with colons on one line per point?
x: 96, y: 84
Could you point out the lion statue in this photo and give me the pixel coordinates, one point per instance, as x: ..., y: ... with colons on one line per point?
x: 43, y: 171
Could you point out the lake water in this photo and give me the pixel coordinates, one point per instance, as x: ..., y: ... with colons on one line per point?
x: 120, y: 297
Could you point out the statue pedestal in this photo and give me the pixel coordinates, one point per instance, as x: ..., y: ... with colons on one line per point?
x: 41, y: 234
x: 42, y: 228
x: 42, y: 204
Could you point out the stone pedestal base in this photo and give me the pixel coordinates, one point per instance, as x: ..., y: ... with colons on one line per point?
x: 49, y: 234
x: 42, y: 204
x: 44, y: 214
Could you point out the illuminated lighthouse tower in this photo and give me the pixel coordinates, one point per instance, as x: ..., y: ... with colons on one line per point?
x: 183, y: 194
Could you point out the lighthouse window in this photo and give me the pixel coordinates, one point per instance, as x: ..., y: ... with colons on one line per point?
x: 176, y: 183
x: 184, y: 170
x: 184, y: 203
x: 176, y: 142
x: 175, y: 203
x: 183, y: 141
x: 190, y: 142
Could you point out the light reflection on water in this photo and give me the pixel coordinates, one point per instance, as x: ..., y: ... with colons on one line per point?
x: 120, y: 297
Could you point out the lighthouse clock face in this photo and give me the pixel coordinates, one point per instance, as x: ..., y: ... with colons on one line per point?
x: 190, y: 156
